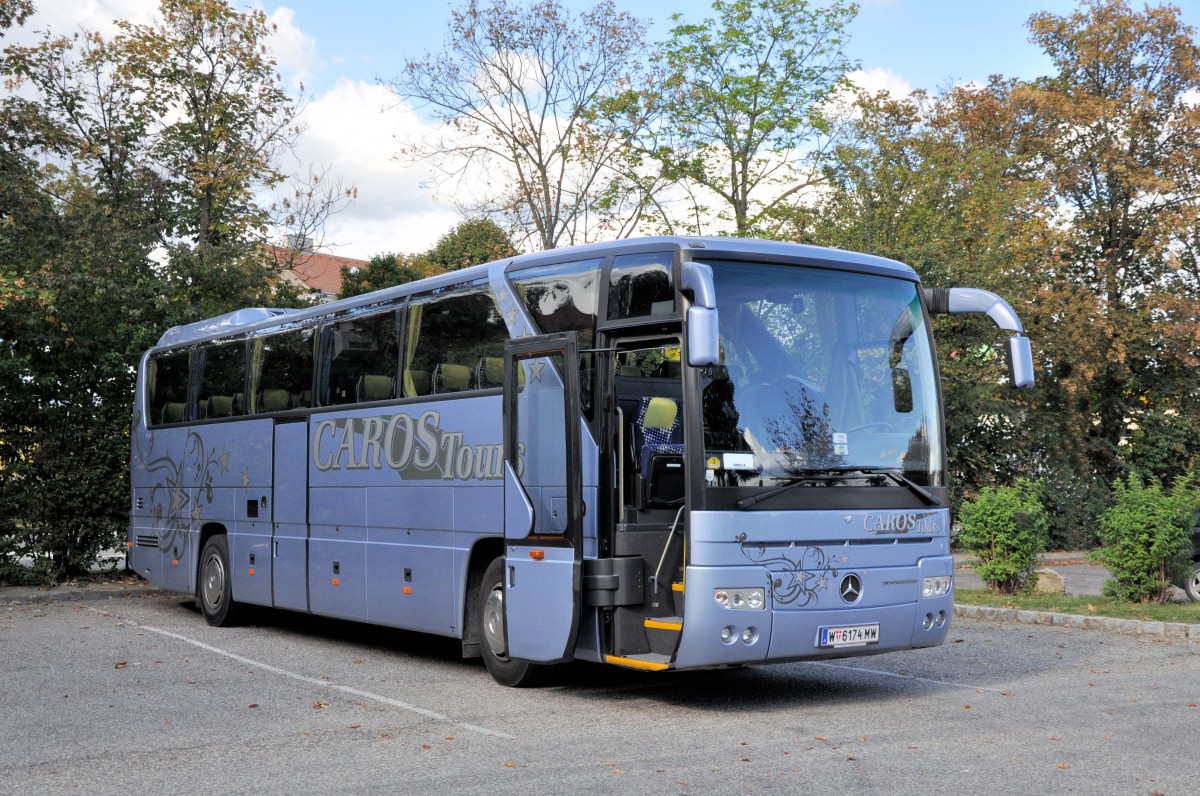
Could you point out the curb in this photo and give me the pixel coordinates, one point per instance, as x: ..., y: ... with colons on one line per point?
x: 1125, y: 627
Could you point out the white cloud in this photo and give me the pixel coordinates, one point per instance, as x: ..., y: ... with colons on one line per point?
x: 295, y: 51
x: 875, y: 80
x: 356, y: 129
x: 65, y: 17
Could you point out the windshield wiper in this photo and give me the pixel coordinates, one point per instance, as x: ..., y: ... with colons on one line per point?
x: 900, y: 478
x: 811, y: 477
x: 840, y: 474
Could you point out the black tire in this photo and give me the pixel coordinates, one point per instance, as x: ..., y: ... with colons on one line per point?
x: 492, y: 637
x: 214, y: 588
x: 1191, y: 584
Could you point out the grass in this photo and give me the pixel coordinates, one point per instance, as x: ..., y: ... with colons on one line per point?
x: 1083, y: 606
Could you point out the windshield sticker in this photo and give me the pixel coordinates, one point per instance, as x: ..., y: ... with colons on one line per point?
x: 739, y: 461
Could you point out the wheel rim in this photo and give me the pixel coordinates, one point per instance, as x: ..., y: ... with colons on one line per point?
x: 493, y: 621
x: 1196, y: 581
x: 213, y: 583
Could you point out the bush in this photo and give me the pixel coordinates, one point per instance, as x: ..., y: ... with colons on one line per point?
x: 1144, y: 538
x: 1007, y: 529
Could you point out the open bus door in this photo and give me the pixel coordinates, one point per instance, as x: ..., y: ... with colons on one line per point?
x: 543, y: 498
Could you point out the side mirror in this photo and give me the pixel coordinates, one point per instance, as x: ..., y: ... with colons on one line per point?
x: 703, y: 338
x: 902, y: 397
x: 984, y: 302
x: 1020, y: 361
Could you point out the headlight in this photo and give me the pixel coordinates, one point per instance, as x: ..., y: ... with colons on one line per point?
x: 741, y: 599
x: 936, y: 586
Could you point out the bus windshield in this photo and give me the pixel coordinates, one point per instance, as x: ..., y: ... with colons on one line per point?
x: 821, y: 372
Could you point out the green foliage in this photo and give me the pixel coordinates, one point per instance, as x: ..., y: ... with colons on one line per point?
x: 472, y: 242
x: 117, y: 224
x: 1145, y: 537
x: 1006, y: 528
x: 385, y: 270
x: 742, y: 93
x: 1165, y: 445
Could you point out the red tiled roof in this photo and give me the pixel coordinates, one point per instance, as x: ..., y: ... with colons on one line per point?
x: 315, y: 270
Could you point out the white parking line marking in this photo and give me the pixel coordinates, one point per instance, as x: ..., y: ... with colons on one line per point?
x: 345, y: 689
x: 865, y: 670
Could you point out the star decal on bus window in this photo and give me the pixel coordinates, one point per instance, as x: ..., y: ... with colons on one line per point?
x: 535, y: 370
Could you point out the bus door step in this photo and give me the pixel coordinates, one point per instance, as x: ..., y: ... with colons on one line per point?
x: 674, y: 623
x: 646, y: 662
x: 662, y: 633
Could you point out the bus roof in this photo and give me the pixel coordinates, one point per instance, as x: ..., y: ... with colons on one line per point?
x: 691, y: 248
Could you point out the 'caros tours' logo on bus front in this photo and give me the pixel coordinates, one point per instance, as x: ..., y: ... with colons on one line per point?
x: 903, y: 522
x: 416, y: 448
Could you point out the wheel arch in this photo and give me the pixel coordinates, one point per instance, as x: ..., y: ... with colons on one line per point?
x: 483, y: 553
x: 207, y: 531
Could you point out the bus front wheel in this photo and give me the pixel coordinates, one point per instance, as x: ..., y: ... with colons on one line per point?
x: 214, y: 590
x: 494, y: 644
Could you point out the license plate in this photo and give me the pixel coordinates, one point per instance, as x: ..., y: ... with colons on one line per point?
x: 848, y: 636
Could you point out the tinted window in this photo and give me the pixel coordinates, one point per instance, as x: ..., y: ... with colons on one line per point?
x: 455, y: 342
x: 363, y: 352
x: 167, y: 387
x: 222, y: 380
x: 283, y: 366
x: 562, y: 297
x: 639, y: 285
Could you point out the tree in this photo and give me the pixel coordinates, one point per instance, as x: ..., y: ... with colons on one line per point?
x: 946, y: 184
x: 1119, y: 130
x: 537, y: 106
x: 742, y: 101
x: 471, y: 242
x: 385, y: 270
x: 93, y: 182
x: 219, y: 113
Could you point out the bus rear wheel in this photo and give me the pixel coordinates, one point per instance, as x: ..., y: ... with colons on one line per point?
x: 214, y: 590
x: 493, y: 642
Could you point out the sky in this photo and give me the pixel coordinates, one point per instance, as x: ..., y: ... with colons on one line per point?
x: 340, y: 51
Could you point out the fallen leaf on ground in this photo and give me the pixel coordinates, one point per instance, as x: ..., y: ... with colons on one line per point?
x: 121, y: 664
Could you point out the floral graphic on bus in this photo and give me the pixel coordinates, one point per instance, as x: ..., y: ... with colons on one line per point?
x: 795, y: 579
x: 183, y: 489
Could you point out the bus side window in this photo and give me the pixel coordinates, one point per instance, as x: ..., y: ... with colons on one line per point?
x: 167, y: 388
x: 640, y: 284
x: 281, y: 371
x: 362, y: 352
x: 223, y: 376
x: 451, y: 337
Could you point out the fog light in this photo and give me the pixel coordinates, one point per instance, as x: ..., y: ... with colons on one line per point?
x: 741, y: 599
x: 750, y: 635
x: 941, y: 618
x: 936, y: 586
x: 927, y: 622
x: 728, y: 634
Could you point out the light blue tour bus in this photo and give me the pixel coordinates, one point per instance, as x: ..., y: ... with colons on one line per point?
x: 664, y: 453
